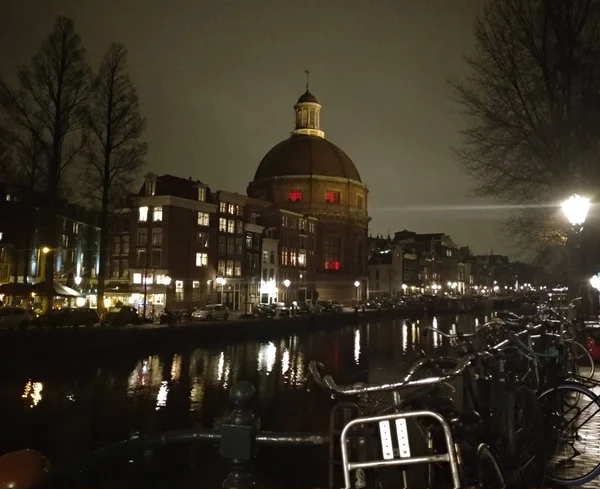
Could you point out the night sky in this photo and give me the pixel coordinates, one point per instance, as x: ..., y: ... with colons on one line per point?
x: 218, y: 81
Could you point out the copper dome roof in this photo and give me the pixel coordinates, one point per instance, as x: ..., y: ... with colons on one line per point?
x: 306, y: 155
x: 307, y: 97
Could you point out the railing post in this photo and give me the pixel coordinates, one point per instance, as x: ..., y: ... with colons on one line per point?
x: 238, y: 437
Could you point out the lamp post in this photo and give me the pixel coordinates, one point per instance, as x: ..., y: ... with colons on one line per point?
x: 575, y: 209
x: 356, y: 286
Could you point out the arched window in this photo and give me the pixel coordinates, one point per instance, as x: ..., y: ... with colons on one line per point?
x: 304, y: 117
x: 311, y: 119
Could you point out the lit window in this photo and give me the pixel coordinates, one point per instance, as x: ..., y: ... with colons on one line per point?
x: 202, y: 218
x: 222, y: 224
x: 179, y: 290
x: 7, y: 197
x: 295, y: 196
x: 203, y: 240
x: 137, y: 278
x: 157, y: 236
x: 238, y: 269
x: 143, y: 216
x: 229, y: 268
x: 195, y: 290
x: 201, y: 259
x: 221, y: 267
x: 223, y: 207
x: 1, y: 236
x: 332, y: 196
x: 231, y: 209
x: 293, y: 258
x: 332, y: 248
x: 157, y: 214
x: 231, y: 226
x: 302, y: 259
x: 202, y: 194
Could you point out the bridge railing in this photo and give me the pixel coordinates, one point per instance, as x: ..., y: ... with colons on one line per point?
x: 238, y: 438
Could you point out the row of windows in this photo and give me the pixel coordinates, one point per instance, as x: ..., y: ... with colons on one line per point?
x: 232, y: 209
x: 229, y: 268
x: 331, y: 196
x: 230, y: 246
x: 157, y: 214
x: 230, y: 226
x: 297, y: 223
x: 293, y: 258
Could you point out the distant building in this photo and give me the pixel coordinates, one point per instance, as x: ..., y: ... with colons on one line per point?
x: 24, y: 237
x: 310, y: 176
x: 269, y: 267
x: 393, y: 272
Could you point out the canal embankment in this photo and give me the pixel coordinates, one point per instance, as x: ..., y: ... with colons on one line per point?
x: 148, y: 337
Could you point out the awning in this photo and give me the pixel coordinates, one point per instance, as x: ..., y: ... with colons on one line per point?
x: 16, y: 290
x: 60, y: 290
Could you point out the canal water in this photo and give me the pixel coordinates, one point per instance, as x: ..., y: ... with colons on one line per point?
x: 66, y: 407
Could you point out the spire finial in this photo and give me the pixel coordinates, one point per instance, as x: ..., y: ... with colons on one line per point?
x: 307, y: 78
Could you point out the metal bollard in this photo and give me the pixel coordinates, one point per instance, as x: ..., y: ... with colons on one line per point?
x: 238, y: 437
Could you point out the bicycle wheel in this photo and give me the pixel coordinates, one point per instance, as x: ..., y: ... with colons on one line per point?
x: 579, y: 360
x: 571, y: 428
x: 489, y: 473
x: 525, y: 444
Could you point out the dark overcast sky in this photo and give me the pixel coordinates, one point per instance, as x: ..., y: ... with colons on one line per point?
x: 218, y: 80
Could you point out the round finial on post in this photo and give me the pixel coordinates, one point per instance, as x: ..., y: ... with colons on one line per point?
x: 241, y: 394
x: 23, y: 469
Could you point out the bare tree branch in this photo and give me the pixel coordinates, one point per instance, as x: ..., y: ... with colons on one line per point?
x: 115, y: 154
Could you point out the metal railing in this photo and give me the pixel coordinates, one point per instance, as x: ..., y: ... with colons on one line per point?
x: 238, y: 439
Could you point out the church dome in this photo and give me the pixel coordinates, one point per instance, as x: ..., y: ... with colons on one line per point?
x: 306, y: 155
x: 307, y: 152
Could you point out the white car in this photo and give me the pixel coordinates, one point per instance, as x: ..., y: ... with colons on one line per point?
x: 211, y: 311
x: 14, y: 317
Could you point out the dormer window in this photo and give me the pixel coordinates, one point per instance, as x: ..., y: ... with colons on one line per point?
x: 202, y: 194
x: 151, y: 187
x: 295, y: 196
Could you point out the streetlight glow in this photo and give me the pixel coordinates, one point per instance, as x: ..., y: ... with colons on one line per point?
x: 595, y: 282
x: 356, y: 283
x: 286, y: 282
x: 45, y: 250
x: 575, y: 209
x: 78, y: 280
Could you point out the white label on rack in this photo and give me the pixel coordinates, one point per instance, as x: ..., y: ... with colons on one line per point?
x: 385, y: 431
x: 402, y: 432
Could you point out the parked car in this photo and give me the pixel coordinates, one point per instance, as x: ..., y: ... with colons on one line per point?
x: 69, y: 316
x: 14, y: 317
x: 592, y: 339
x: 263, y: 311
x: 211, y: 311
x: 281, y: 310
x: 331, y: 307
x: 120, y: 316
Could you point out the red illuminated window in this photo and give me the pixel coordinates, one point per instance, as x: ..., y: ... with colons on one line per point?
x: 332, y: 264
x: 332, y: 249
x: 295, y: 195
x: 331, y: 196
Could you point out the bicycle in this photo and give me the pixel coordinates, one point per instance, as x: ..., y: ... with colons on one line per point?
x: 469, y: 461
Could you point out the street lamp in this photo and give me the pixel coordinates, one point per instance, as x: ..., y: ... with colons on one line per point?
x: 595, y: 282
x: 78, y: 280
x: 356, y: 286
x: 287, y: 283
x: 576, y: 209
x: 45, y: 250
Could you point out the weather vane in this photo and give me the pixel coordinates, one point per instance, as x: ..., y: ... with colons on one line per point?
x: 307, y: 78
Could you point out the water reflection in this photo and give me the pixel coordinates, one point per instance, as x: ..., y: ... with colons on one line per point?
x: 357, y: 346
x: 86, y: 405
x: 33, y: 393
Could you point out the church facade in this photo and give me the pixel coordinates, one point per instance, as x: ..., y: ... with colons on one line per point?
x: 311, y: 176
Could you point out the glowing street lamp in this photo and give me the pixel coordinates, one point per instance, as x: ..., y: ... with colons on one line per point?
x: 356, y: 286
x: 78, y: 280
x: 595, y: 282
x: 576, y: 209
x: 287, y: 283
x: 45, y: 250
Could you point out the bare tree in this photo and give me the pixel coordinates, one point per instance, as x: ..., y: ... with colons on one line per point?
x: 114, y: 152
x: 48, y: 106
x: 533, y: 97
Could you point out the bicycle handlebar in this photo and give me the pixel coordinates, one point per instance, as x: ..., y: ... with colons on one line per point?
x: 349, y: 390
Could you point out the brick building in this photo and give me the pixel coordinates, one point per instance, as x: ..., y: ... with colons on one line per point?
x: 310, y: 176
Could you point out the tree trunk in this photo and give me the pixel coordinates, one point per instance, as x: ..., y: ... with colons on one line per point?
x: 103, y: 236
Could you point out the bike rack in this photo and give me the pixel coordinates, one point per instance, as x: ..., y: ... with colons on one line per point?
x: 389, y: 458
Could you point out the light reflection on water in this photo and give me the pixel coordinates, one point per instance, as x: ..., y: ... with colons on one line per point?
x: 130, y: 394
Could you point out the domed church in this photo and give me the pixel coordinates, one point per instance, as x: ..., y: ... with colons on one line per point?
x: 311, y: 176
